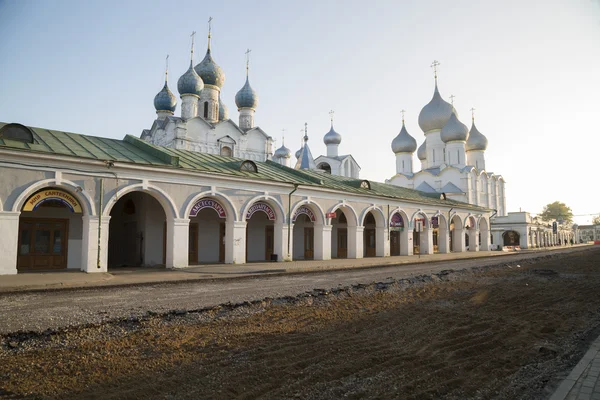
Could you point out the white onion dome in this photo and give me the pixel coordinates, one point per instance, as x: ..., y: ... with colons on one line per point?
x: 223, y: 111
x: 190, y: 82
x: 210, y: 72
x: 454, y: 130
x: 165, y: 100
x: 283, y: 152
x: 422, y: 152
x: 246, y: 97
x: 332, y: 137
x: 436, y: 113
x: 404, y: 143
x: 476, y: 141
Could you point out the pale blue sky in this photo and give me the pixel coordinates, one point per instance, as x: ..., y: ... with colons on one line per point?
x: 528, y: 67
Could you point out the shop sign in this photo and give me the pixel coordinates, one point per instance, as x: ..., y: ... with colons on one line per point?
x: 208, y: 203
x: 306, y: 211
x: 52, y: 195
x: 330, y: 215
x: 435, y: 222
x: 264, y: 207
x: 397, y: 221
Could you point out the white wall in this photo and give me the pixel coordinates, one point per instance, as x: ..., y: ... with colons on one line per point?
x: 208, y: 235
x: 256, y: 236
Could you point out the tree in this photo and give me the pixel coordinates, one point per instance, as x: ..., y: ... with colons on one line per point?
x: 557, y: 211
x: 596, y: 220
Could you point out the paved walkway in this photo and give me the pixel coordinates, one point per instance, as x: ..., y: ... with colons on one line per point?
x: 142, y: 275
x: 583, y: 383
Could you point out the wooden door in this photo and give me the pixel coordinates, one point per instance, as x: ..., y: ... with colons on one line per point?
x: 395, y: 243
x: 269, y: 241
x: 370, y: 242
x: 309, y: 242
x: 43, y: 243
x: 416, y: 242
x: 193, y: 244
x: 222, y: 242
x: 342, y: 243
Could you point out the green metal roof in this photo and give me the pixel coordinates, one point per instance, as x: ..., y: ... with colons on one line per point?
x: 134, y: 150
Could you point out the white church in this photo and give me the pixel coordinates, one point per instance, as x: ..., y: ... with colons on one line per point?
x: 452, y: 158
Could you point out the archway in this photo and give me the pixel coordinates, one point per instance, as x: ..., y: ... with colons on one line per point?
x: 374, y: 233
x: 471, y: 234
x: 137, y: 231
x: 304, y: 219
x: 51, y: 231
x: 207, y: 238
x: 260, y: 232
x: 422, y: 234
x: 511, y: 238
x: 398, y: 227
x: 484, y: 234
x: 439, y: 226
x: 339, y: 235
x: 457, y: 237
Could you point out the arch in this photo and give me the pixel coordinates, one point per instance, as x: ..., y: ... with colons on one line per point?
x: 320, y: 214
x: 483, y: 224
x: 268, y: 199
x: 470, y: 221
x: 511, y: 238
x: 456, y: 217
x: 89, y: 206
x: 402, y: 213
x: 159, y: 194
x: 325, y: 167
x: 347, y: 209
x: 379, y: 216
x: 222, y: 198
x: 424, y: 214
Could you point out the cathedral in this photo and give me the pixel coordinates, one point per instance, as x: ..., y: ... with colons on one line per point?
x: 452, y: 158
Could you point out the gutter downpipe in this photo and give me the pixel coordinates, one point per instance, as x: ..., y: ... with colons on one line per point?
x: 289, y: 219
x: 100, y: 220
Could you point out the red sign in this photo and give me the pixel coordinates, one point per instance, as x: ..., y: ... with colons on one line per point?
x: 208, y: 203
x: 331, y: 215
x: 260, y: 206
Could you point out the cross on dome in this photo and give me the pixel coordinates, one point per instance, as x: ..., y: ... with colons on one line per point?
x: 434, y: 65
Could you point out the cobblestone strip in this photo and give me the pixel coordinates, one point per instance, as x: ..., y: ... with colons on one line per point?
x: 583, y: 382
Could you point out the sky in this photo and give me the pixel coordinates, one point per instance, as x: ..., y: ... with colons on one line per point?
x: 529, y: 68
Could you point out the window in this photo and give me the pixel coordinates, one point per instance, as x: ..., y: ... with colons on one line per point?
x: 206, y: 109
x: 365, y: 184
x: 325, y: 167
x: 226, y: 151
x: 248, y: 166
x: 16, y: 132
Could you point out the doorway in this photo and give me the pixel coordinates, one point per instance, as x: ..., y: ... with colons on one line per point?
x: 42, y: 243
x: 395, y: 243
x: 342, y: 243
x: 309, y: 243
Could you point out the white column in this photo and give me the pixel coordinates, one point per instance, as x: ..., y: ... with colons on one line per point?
x: 355, y: 241
x: 235, y: 242
x: 9, y: 226
x: 279, y: 245
x: 89, y: 244
x: 473, y: 239
x: 382, y: 242
x: 322, y: 241
x: 406, y: 242
x: 178, y: 233
x: 443, y: 241
x: 458, y: 240
x: 426, y: 238
x: 485, y: 241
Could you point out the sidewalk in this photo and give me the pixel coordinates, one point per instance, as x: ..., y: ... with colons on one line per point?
x: 583, y: 383
x: 148, y: 275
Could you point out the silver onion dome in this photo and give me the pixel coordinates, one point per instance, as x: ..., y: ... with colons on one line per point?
x: 454, y: 130
x: 246, y: 97
x: 422, y: 152
x: 283, y: 152
x: 404, y: 143
x: 476, y: 141
x: 332, y: 137
x: 190, y: 82
x: 223, y: 111
x: 436, y: 113
x: 210, y: 72
x: 297, y: 154
x: 165, y: 100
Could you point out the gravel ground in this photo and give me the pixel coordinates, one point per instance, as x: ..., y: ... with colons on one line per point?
x: 509, y: 330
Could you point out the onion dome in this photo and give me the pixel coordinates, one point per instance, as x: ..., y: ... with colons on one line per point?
x: 297, y: 154
x: 246, y: 97
x: 436, y: 113
x: 404, y: 143
x: 283, y: 152
x: 223, y: 111
x: 332, y: 137
x: 422, y: 152
x: 210, y: 72
x: 476, y: 141
x: 190, y: 82
x: 454, y: 130
x: 165, y: 100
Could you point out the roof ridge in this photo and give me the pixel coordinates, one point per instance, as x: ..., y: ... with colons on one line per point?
x: 153, y: 150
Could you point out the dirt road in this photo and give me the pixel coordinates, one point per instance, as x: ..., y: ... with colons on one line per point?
x: 490, y: 333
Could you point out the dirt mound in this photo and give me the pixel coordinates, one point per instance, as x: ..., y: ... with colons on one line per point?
x: 491, y: 333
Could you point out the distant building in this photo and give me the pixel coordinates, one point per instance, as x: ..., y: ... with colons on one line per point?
x: 588, y: 233
x: 520, y: 229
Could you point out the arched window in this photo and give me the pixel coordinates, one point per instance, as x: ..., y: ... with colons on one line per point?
x: 365, y: 184
x: 325, y: 167
x: 226, y: 151
x: 206, y: 109
x: 16, y: 132
x: 248, y: 166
